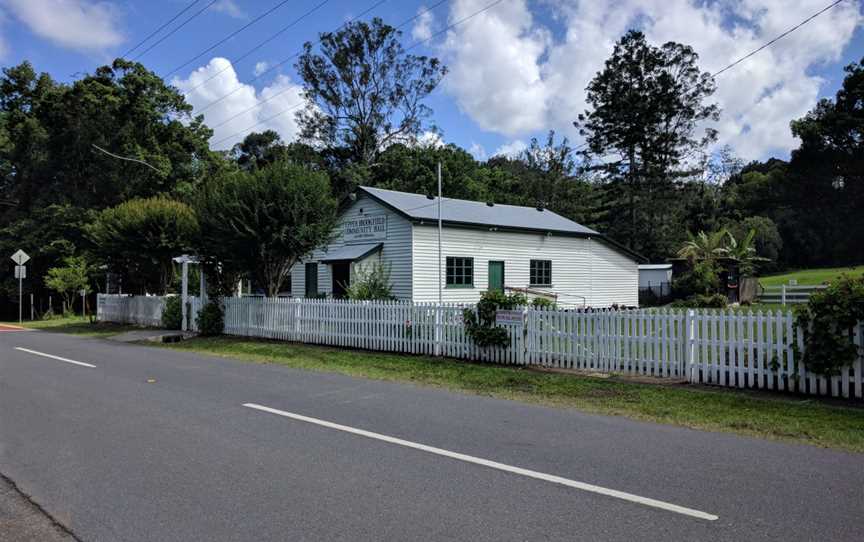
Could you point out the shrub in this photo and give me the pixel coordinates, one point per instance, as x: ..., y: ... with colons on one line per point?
x: 542, y: 303
x: 828, y: 320
x: 211, y: 319
x: 701, y: 279
x: 370, y: 283
x: 480, y: 325
x: 702, y: 301
x: 172, y: 314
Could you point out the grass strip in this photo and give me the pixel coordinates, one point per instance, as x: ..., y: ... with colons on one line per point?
x: 774, y: 416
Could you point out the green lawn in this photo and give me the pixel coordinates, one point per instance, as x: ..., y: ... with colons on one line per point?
x: 808, y: 277
x: 77, y: 325
x: 750, y: 413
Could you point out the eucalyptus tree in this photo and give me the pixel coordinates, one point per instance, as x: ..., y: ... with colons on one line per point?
x: 363, y: 90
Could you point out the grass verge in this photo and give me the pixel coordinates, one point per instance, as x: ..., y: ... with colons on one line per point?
x: 810, y: 277
x: 78, y: 325
x: 749, y: 413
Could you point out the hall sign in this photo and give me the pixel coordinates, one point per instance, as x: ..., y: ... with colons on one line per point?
x: 364, y: 229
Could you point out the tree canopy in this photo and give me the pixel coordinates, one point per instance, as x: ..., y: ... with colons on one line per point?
x: 260, y: 223
x: 363, y: 91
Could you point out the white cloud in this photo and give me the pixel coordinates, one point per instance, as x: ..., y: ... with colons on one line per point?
x: 511, y: 77
x: 83, y: 25
x: 228, y: 7
x: 430, y: 139
x: 261, y: 67
x: 423, y: 26
x: 231, y: 116
x: 512, y: 149
x: 478, y: 151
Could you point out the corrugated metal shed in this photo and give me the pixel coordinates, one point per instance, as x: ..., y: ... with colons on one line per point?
x: 460, y: 211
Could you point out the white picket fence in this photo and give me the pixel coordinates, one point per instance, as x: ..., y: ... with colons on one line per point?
x: 726, y: 348
x: 123, y: 309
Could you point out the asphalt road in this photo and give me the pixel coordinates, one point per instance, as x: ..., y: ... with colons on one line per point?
x: 153, y: 444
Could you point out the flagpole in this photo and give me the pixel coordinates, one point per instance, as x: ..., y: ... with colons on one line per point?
x: 440, y: 294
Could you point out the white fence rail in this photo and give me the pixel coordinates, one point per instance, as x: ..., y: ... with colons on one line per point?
x: 760, y: 350
x: 788, y: 294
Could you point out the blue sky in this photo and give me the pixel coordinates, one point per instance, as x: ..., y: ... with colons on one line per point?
x: 516, y: 69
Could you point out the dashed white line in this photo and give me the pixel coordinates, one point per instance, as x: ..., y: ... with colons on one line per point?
x: 52, y: 356
x: 646, y: 501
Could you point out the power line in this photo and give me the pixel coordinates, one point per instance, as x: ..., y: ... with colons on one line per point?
x: 280, y: 93
x: 226, y: 38
x: 281, y: 62
x: 448, y: 27
x: 176, y: 28
x: 171, y: 20
x: 257, y: 47
x: 778, y: 38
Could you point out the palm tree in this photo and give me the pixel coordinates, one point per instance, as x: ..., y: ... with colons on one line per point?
x: 704, y: 247
x: 744, y: 251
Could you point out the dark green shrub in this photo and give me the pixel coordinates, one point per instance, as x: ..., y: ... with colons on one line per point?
x: 702, y: 301
x: 172, y: 314
x: 701, y: 279
x: 542, y: 303
x: 480, y: 324
x: 211, y: 319
x: 828, y: 320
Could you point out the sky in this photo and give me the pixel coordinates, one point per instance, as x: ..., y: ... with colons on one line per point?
x: 516, y: 69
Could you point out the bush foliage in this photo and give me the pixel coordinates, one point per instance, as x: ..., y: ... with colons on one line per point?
x: 828, y: 321
x: 480, y: 324
x: 172, y: 313
x: 371, y: 282
x: 211, y: 319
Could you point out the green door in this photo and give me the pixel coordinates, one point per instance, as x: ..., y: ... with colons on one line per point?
x: 312, y: 280
x: 496, y: 276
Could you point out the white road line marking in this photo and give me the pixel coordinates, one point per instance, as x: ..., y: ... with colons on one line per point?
x: 58, y: 358
x: 495, y: 465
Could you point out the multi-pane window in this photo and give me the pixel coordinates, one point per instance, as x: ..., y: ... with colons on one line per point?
x: 460, y: 272
x: 541, y: 272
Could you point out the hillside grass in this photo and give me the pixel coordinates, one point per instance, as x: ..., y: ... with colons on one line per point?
x: 766, y: 415
x: 811, y: 277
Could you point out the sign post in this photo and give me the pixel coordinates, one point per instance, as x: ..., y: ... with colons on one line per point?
x: 20, y: 258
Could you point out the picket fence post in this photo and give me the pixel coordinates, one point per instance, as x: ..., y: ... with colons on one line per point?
x: 690, y: 345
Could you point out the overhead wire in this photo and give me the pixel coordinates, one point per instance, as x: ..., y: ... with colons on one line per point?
x: 228, y: 37
x: 168, y: 22
x: 257, y: 47
x: 281, y: 62
x: 280, y: 93
x: 778, y: 38
x: 175, y: 30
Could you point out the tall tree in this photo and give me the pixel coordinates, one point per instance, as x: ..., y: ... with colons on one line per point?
x: 138, y: 239
x: 825, y: 188
x: 363, y: 91
x: 261, y: 223
x: 642, y: 132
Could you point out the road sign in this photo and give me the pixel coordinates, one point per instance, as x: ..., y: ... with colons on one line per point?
x: 20, y: 272
x: 20, y: 257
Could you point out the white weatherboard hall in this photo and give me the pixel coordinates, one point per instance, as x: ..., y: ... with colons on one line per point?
x: 483, y: 246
